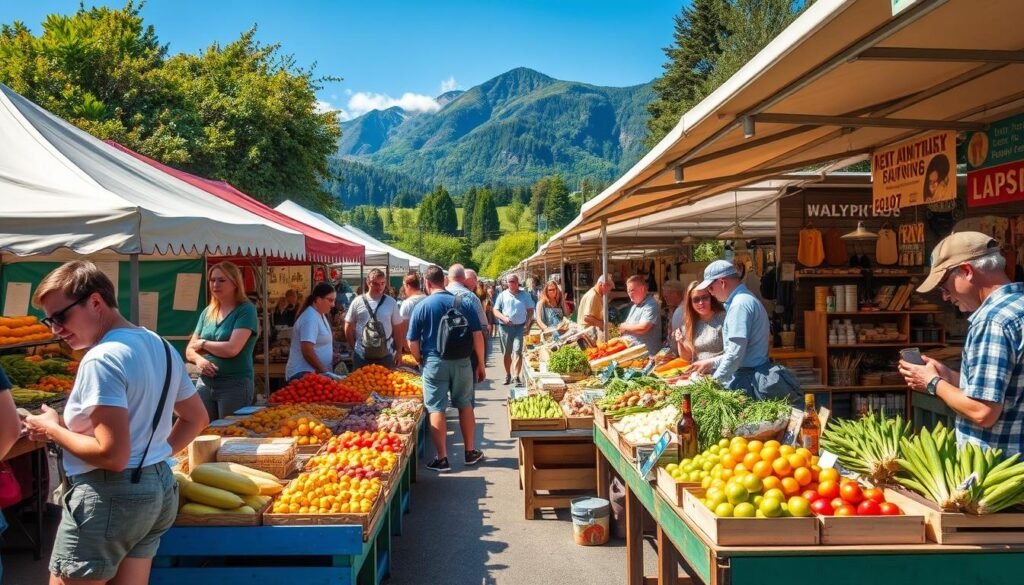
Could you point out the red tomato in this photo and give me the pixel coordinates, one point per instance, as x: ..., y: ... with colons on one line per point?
x: 837, y: 503
x: 868, y: 508
x: 846, y: 510
x: 852, y: 493
x: 822, y: 507
x: 828, y: 489
x: 889, y: 509
x: 811, y: 495
x: 875, y: 494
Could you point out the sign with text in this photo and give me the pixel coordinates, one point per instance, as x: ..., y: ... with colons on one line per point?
x: 995, y: 163
x: 915, y: 172
x: 901, y: 5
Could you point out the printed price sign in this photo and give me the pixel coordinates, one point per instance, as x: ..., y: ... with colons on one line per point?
x: 659, y: 450
x: 796, y: 418
x: 608, y: 373
x: 650, y: 368
x: 519, y: 392
x: 591, y: 396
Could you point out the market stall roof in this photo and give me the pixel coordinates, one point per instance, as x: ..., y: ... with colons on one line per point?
x: 844, y: 78
x: 400, y: 260
x: 321, y: 246
x: 63, y: 188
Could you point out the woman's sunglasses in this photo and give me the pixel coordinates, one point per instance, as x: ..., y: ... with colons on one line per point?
x: 700, y: 299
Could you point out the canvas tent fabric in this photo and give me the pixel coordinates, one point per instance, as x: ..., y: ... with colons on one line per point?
x: 320, y: 246
x: 400, y: 260
x: 63, y: 188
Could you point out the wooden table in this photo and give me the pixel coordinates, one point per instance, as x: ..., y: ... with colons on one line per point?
x: 679, y: 540
x: 37, y: 449
x: 560, y: 463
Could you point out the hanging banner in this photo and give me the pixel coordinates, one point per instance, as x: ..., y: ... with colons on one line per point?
x: 915, y: 172
x: 901, y: 5
x: 995, y: 163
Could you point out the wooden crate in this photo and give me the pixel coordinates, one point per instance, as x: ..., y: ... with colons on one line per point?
x: 628, y: 449
x: 672, y: 489
x: 853, y: 530
x: 600, y: 419
x: 749, y: 531
x: 256, y: 519
x: 579, y: 422
x: 272, y: 455
x: 535, y: 424
x: 956, y: 528
x: 363, y: 520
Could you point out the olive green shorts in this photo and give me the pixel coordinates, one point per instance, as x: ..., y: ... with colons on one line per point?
x: 107, y: 518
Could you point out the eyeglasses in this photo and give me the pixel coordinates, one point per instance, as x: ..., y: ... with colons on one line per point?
x: 59, y: 317
x: 700, y: 299
x: 945, y: 277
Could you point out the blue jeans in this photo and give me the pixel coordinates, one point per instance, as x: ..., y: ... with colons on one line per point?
x: 223, y: 396
x: 359, y: 361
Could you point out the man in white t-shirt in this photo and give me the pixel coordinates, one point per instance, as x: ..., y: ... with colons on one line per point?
x: 384, y: 308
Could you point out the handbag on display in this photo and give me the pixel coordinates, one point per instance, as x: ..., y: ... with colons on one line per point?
x: 811, y: 251
x: 887, y: 247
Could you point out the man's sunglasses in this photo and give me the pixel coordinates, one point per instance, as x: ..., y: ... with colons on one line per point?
x: 59, y: 317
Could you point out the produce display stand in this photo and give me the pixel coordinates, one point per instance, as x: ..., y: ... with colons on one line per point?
x: 680, y: 540
x: 558, y: 463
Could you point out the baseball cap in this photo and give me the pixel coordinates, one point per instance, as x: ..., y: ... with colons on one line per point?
x: 715, y: 270
x: 954, y: 250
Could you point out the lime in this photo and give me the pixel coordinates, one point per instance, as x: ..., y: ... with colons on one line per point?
x: 724, y: 510
x: 752, y: 483
x: 771, y: 507
x: 736, y: 493
x: 799, y: 506
x: 744, y: 510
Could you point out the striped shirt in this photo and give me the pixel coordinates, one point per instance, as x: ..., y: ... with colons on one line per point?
x: 993, y: 369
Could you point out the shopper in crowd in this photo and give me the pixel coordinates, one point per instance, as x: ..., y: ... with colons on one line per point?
x: 312, y: 347
x: 643, y: 323
x: 969, y: 270
x: 413, y: 292
x: 591, y: 308
x: 222, y: 344
x: 514, y: 312
x: 117, y: 431
x: 286, y: 309
x: 377, y: 306
x: 10, y: 428
x: 446, y: 380
x: 700, y: 336
x: 744, y: 365
x: 460, y: 283
x: 674, y: 294
x: 551, y: 306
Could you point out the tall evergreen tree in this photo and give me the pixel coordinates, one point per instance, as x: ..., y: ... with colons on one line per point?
x: 699, y: 31
x: 558, y: 208
x: 486, y: 225
x: 750, y: 26
x: 468, y: 203
x: 437, y: 213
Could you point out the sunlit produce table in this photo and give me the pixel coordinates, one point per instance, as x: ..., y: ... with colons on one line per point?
x: 681, y: 541
x: 554, y: 468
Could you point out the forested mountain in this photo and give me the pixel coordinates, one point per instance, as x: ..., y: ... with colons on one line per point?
x: 362, y: 184
x: 513, y: 129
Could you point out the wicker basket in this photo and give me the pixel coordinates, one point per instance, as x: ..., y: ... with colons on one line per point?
x: 843, y: 377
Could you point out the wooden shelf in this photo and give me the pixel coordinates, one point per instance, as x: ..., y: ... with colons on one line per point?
x: 901, y: 344
x: 873, y: 313
x: 875, y: 388
x: 873, y: 275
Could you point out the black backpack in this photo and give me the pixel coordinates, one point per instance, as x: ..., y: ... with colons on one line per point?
x: 454, y: 339
x: 374, y: 338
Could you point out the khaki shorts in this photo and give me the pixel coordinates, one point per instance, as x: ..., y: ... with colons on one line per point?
x: 106, y: 518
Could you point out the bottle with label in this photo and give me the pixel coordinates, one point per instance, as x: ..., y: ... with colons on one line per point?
x: 686, y: 431
x: 810, y: 429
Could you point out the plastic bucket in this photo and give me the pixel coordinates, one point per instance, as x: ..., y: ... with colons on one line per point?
x: 590, y: 520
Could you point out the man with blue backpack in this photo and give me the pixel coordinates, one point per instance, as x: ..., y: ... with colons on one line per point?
x: 443, y: 334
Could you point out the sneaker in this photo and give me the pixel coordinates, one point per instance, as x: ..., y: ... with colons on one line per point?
x: 508, y: 379
x: 439, y: 465
x: 518, y: 381
x: 473, y: 457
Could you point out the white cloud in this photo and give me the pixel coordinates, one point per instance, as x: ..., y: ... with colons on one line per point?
x: 325, y: 106
x: 449, y: 84
x: 363, y: 102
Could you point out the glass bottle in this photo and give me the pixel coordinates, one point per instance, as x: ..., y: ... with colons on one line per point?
x: 810, y: 429
x: 686, y: 431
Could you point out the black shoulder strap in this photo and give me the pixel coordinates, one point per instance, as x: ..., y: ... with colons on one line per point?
x: 137, y: 472
x: 373, y: 312
x: 457, y: 303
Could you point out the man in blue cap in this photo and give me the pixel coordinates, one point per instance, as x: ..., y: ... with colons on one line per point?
x: 745, y: 334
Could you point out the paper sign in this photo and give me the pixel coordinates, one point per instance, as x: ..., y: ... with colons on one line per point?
x: 608, y: 373
x: 519, y: 393
x: 995, y: 163
x: 823, y: 414
x: 659, y: 449
x: 16, y: 299
x: 591, y: 396
x: 650, y: 368
x: 149, y: 303
x: 796, y: 418
x: 112, y: 270
x: 186, y: 291
x: 788, y: 271
x: 918, y: 171
x: 827, y: 459
x: 901, y: 5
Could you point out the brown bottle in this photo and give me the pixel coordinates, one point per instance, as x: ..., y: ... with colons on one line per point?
x: 810, y: 429
x: 686, y: 432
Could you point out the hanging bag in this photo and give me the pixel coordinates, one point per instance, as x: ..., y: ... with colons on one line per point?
x: 810, y: 251
x: 887, y: 247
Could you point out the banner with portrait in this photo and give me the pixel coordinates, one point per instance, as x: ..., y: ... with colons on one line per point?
x: 919, y: 171
x: 995, y: 163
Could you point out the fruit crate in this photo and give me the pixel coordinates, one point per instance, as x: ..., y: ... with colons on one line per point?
x: 958, y: 528
x: 534, y: 424
x: 672, y: 489
x: 579, y: 422
x: 225, y: 519
x: 629, y: 450
x: 855, y: 530
x: 356, y: 519
x: 749, y: 531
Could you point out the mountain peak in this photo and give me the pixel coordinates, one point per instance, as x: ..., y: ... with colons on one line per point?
x: 448, y: 97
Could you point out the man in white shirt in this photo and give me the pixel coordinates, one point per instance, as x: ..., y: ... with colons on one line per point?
x: 372, y: 304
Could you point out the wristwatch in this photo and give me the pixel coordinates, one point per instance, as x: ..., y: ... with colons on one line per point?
x: 933, y: 386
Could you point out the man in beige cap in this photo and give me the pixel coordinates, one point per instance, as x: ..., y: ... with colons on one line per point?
x: 590, y: 311
x: 987, y: 393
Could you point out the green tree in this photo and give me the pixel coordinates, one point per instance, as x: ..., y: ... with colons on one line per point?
x: 515, y: 212
x: 441, y: 249
x: 482, y: 253
x: 437, y: 213
x: 558, y: 209
x: 486, y: 225
x: 709, y: 251
x: 750, y: 26
x: 539, y: 195
x: 366, y: 218
x: 404, y: 199
x: 468, y: 202
x: 699, y: 31
x: 509, y: 250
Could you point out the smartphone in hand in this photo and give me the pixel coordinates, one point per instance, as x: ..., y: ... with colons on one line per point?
x: 912, y: 355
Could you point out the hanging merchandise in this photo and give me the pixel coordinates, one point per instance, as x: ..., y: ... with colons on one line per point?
x: 759, y: 261
x: 911, y: 245
x: 835, y: 248
x: 887, y: 247
x: 811, y: 251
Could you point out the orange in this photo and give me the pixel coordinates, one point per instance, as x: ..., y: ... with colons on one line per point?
x: 796, y: 460
x: 769, y: 454
x: 805, y: 453
x: 802, y: 475
x: 772, y: 443
x: 828, y: 475
x: 738, y: 450
x: 790, y: 486
x: 728, y: 461
x: 782, y: 467
x: 755, y: 446
x: 726, y: 474
x: 787, y: 450
x: 771, y: 482
x: 751, y: 459
x: 762, y: 469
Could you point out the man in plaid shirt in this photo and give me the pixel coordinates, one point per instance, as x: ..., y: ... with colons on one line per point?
x: 970, y: 271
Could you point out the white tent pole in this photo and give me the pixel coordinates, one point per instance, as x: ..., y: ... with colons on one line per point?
x: 604, y: 270
x: 134, y: 277
x: 266, y: 327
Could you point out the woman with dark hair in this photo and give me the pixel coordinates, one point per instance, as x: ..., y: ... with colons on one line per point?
x: 700, y: 337
x: 222, y: 344
x: 312, y: 346
x: 937, y: 183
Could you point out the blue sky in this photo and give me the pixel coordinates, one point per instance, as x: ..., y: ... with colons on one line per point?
x: 407, y: 52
